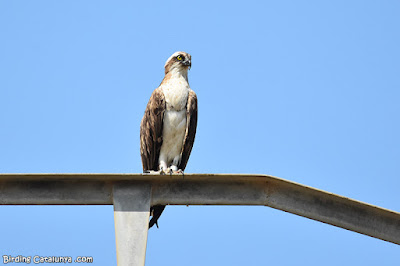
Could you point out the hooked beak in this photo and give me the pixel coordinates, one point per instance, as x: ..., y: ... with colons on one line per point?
x: 187, y: 63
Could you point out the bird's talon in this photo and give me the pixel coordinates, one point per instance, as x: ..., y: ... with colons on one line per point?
x: 180, y: 172
x: 161, y: 171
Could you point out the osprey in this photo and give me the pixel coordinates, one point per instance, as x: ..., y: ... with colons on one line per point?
x: 169, y: 123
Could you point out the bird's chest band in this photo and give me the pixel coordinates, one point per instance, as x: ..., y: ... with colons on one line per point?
x: 175, y: 107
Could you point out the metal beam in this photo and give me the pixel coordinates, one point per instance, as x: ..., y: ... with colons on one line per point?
x: 206, y: 189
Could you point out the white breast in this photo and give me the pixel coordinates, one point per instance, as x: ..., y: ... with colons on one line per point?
x: 176, y: 92
x: 173, y: 133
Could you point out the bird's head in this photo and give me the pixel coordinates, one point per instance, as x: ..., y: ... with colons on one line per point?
x: 179, y: 61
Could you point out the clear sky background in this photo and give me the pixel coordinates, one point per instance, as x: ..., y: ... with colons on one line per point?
x: 308, y: 91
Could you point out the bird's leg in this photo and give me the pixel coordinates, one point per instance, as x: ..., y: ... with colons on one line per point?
x: 180, y: 171
x: 163, y: 171
x: 173, y: 169
x: 169, y: 171
x: 175, y: 163
x: 176, y: 170
x: 174, y: 166
x: 163, y: 166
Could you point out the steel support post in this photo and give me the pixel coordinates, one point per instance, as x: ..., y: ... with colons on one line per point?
x: 131, y: 216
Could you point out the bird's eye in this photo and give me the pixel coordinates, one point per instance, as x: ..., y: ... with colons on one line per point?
x: 179, y: 57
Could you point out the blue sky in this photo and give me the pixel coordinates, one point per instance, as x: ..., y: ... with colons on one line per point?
x: 305, y: 90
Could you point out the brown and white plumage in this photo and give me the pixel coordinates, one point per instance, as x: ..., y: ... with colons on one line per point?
x: 168, y: 127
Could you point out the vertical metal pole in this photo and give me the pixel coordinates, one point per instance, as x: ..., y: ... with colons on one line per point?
x: 131, y: 218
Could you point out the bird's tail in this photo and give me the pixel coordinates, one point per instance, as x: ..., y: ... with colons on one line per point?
x: 155, y: 212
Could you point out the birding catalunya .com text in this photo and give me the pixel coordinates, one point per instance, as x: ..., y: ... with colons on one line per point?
x: 8, y: 259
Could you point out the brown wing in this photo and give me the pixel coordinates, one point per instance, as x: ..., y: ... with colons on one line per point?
x: 191, y: 125
x: 151, y: 129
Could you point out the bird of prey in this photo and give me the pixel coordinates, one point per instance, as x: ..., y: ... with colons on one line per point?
x: 168, y: 126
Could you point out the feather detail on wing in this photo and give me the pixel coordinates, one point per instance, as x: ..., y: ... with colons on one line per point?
x: 151, y: 130
x: 191, y: 125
